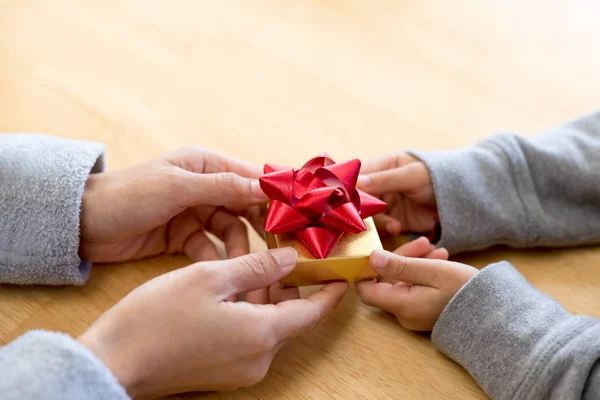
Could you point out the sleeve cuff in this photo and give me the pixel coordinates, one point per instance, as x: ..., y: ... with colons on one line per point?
x: 40, y: 205
x: 51, y: 365
x: 476, y: 197
x: 505, y: 332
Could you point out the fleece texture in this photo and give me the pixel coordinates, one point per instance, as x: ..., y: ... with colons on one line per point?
x: 42, y: 179
x: 53, y: 366
x: 517, y: 342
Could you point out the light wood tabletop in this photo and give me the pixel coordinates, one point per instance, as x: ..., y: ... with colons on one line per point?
x: 277, y: 81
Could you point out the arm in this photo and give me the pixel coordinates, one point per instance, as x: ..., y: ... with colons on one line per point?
x: 41, y: 184
x: 53, y: 366
x: 213, y: 343
x: 521, y: 192
x: 517, y: 342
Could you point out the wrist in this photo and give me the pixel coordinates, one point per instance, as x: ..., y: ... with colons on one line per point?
x: 86, y: 213
x: 119, y: 360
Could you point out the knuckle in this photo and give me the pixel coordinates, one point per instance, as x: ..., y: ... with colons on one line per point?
x: 206, y: 271
x: 234, y: 185
x: 258, y: 371
x: 398, y: 157
x: 400, y: 266
x: 256, y: 265
x: 227, y: 179
x: 265, y: 341
x: 403, y: 313
x: 192, y: 150
x: 172, y: 183
x: 180, y: 157
x: 261, y: 340
x: 265, y: 258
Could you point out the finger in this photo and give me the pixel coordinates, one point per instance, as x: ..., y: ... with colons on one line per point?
x: 222, y: 189
x: 232, y: 231
x: 205, y: 161
x: 278, y: 294
x: 402, y: 179
x: 416, y: 248
x: 416, y: 271
x: 388, y: 224
x: 384, y: 295
x: 297, y: 317
x: 255, y: 217
x: 254, y: 271
x: 420, y: 247
x: 274, y: 294
x: 259, y: 296
x: 199, y: 247
x: 179, y: 229
x: 386, y: 161
x: 438, y: 254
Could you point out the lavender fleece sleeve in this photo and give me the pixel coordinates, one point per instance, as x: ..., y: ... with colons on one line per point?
x: 515, y: 341
x: 41, y: 184
x: 53, y: 366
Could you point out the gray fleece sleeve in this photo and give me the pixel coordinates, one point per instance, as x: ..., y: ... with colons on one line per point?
x: 41, y: 184
x: 53, y: 366
x: 520, y: 192
x: 517, y: 342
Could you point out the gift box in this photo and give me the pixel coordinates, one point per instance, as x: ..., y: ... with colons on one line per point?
x: 318, y: 211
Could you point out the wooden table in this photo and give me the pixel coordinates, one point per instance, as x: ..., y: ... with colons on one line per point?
x: 280, y: 81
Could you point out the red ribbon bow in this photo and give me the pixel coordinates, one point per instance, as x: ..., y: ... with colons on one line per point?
x: 319, y: 202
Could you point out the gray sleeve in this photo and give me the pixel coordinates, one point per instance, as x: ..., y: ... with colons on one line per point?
x: 521, y: 192
x: 42, y: 180
x: 53, y: 366
x: 517, y: 342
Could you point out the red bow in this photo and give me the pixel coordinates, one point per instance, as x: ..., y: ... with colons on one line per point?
x: 319, y: 202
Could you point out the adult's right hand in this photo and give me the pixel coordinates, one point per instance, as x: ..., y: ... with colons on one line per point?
x: 177, y: 333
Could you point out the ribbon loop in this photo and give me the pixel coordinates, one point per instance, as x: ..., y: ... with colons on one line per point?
x: 319, y: 202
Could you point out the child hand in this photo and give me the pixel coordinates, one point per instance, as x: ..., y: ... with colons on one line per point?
x: 415, y: 290
x: 421, y: 248
x: 404, y: 183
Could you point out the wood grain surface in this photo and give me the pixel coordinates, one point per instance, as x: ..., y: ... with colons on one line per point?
x: 280, y: 81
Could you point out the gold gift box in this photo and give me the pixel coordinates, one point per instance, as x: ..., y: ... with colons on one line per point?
x: 347, y: 261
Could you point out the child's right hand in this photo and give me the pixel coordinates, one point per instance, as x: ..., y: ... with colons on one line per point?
x: 404, y: 183
x: 415, y: 290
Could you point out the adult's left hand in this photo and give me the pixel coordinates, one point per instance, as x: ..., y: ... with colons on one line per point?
x: 167, y: 205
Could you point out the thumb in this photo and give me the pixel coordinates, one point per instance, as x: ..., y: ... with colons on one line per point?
x: 225, y: 189
x: 402, y: 179
x: 415, y: 271
x: 254, y: 271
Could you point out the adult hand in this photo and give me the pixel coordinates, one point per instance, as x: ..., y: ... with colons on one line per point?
x: 167, y: 205
x: 177, y: 333
x: 415, y: 290
x: 404, y: 183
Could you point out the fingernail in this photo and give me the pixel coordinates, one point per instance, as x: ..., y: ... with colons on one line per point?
x: 285, y: 257
x: 424, y: 239
x: 393, y: 227
x: 364, y: 180
x: 378, y: 260
x: 257, y: 192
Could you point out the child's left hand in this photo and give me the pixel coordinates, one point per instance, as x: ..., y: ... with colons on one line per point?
x: 415, y: 290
